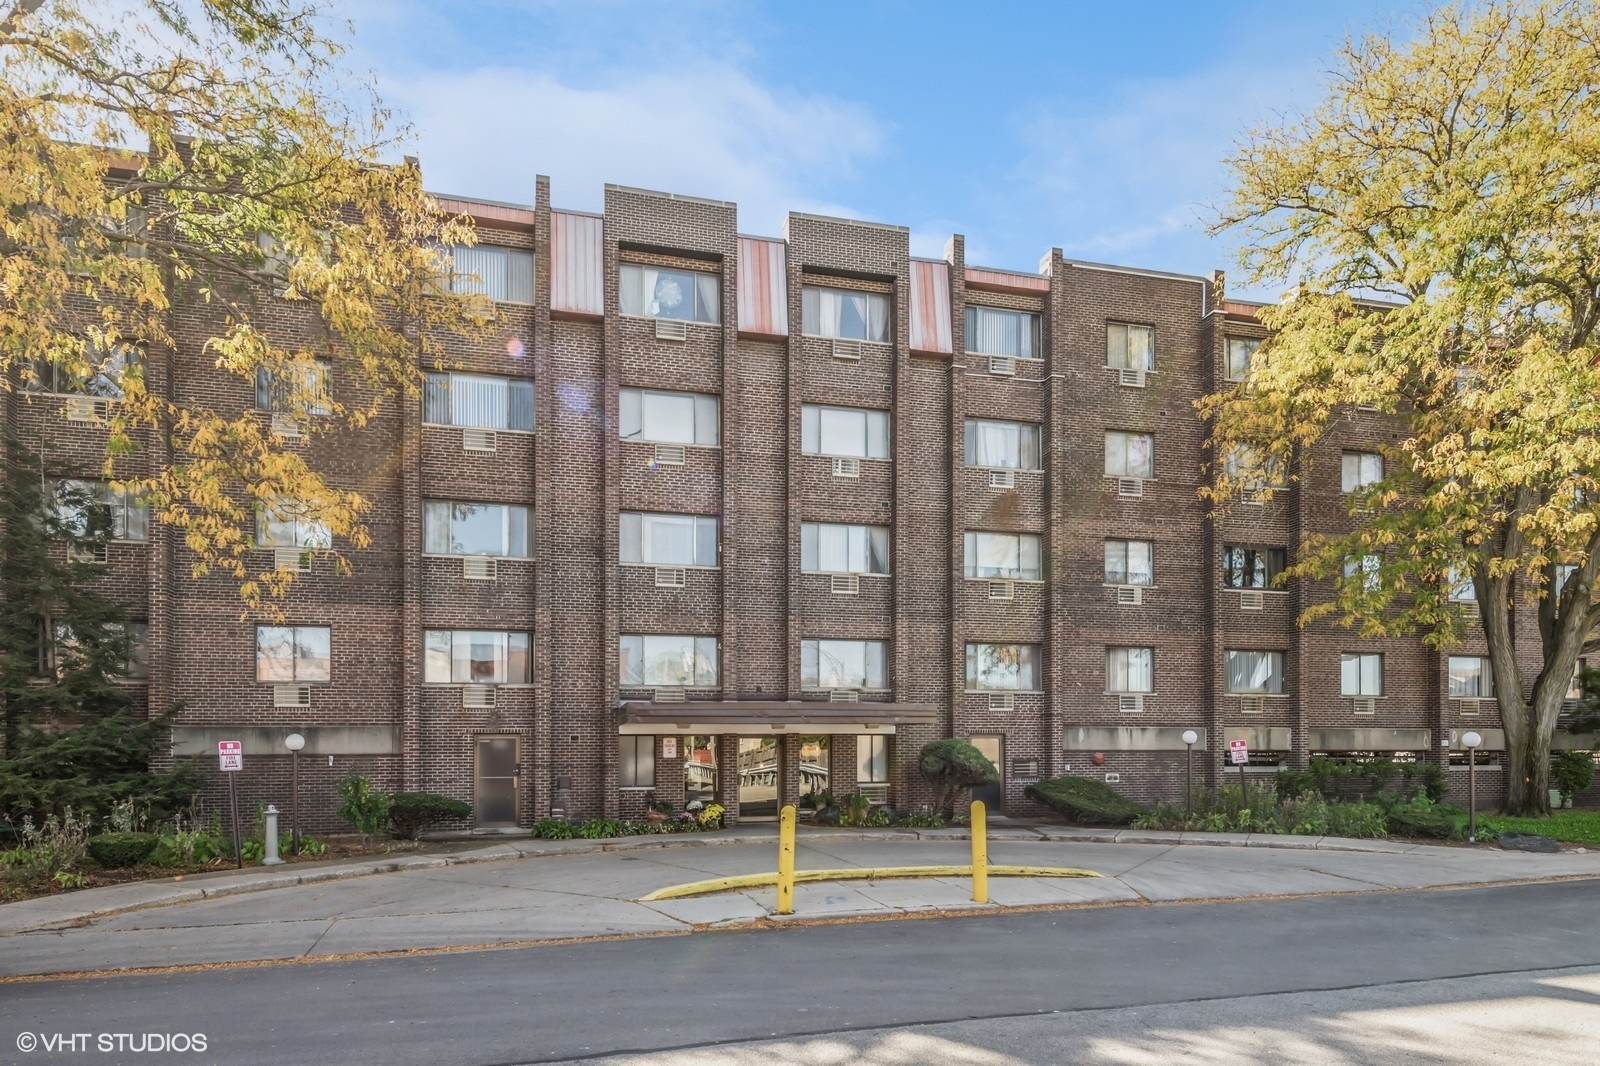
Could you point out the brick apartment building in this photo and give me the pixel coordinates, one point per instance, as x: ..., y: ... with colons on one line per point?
x: 734, y: 517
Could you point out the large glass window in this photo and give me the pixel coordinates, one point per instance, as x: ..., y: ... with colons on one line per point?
x: 842, y: 664
x: 652, y: 659
x: 1130, y: 454
x: 659, y: 292
x: 841, y: 313
x: 668, y: 417
x: 302, y: 385
x: 475, y: 657
x: 450, y: 528
x: 1240, y: 351
x: 1006, y: 445
x: 283, y: 523
x: 502, y: 274
x: 1130, y: 347
x: 104, y: 372
x: 1245, y: 567
x: 991, y: 331
x: 91, y: 508
x: 667, y: 539
x: 1365, y: 569
x: 1255, y: 672
x: 1470, y: 677
x: 827, y: 548
x: 637, y: 768
x: 1008, y: 555
x: 1130, y: 562
x: 1360, y: 674
x: 479, y: 401
x: 847, y: 431
x: 1246, y: 470
x: 293, y: 653
x: 1130, y: 670
x: 872, y: 760
x: 1463, y: 586
x: 1003, y: 667
x: 1360, y: 469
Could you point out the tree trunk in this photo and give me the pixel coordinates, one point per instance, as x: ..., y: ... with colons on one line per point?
x: 1528, y: 744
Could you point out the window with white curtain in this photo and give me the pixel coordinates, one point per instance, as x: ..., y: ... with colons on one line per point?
x: 673, y: 661
x: 1130, y: 454
x: 841, y: 313
x: 303, y: 384
x: 1255, y: 672
x: 453, y: 528
x: 1130, y: 670
x: 1360, y: 469
x: 1360, y: 674
x: 481, y: 401
x: 1130, y: 347
x: 829, y: 664
x: 87, y: 507
x: 293, y: 653
x: 827, y: 548
x: 1003, y: 668
x: 668, y: 417
x: 476, y: 657
x: 1367, y: 569
x: 661, y: 292
x: 502, y: 274
x: 282, y: 522
x: 1239, y: 353
x: 1004, y: 445
x: 667, y: 539
x: 847, y: 431
x: 1130, y: 562
x: 872, y: 759
x: 1470, y: 677
x: 1004, y: 555
x: 992, y: 331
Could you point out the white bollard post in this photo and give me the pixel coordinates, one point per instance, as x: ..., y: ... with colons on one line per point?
x: 271, y: 843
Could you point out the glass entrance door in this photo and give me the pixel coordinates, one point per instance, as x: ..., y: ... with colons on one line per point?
x: 992, y: 747
x: 495, y: 788
x: 758, y: 778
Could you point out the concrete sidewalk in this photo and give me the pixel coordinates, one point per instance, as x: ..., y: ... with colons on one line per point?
x: 571, y: 889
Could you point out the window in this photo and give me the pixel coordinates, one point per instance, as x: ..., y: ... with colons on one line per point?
x: 638, y: 763
x: 1255, y: 672
x: 1130, y: 347
x: 1564, y: 572
x: 991, y: 331
x: 502, y: 274
x: 1360, y: 674
x: 1244, y: 469
x: 57, y: 643
x: 450, y: 528
x: 1130, y: 562
x: 1130, y: 670
x: 1008, y: 555
x: 659, y: 292
x: 860, y: 316
x: 682, y: 661
x: 1239, y: 353
x: 1366, y: 568
x: 1463, y: 587
x: 1007, y: 445
x: 305, y: 385
x: 847, y: 431
x: 1470, y: 677
x: 826, y: 548
x: 1360, y: 469
x: 842, y: 664
x: 872, y: 760
x: 1130, y: 454
x: 667, y: 539
x: 1575, y: 686
x: 668, y: 417
x: 1250, y: 568
x: 138, y: 663
x: 479, y: 401
x: 103, y: 372
x: 282, y: 523
x: 1003, y: 668
x: 89, y: 508
x: 293, y: 653
x: 475, y: 657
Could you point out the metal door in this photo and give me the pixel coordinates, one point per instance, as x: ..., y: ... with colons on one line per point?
x: 993, y: 748
x: 495, y: 790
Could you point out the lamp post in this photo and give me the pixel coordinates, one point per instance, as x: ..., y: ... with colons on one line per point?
x: 294, y: 742
x: 1471, y: 741
x: 1189, y: 738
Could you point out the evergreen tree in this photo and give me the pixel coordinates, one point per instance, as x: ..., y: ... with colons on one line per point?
x: 74, y: 732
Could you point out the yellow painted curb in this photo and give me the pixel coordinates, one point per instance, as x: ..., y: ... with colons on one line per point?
x: 854, y: 873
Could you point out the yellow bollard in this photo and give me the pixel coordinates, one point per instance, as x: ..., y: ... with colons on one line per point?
x: 980, y: 853
x: 786, y: 860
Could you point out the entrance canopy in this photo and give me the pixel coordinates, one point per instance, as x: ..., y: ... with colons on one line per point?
x: 811, y: 717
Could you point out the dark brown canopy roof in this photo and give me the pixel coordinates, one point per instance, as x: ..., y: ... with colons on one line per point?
x: 772, y: 716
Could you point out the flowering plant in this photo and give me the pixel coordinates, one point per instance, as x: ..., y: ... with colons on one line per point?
x: 711, y: 816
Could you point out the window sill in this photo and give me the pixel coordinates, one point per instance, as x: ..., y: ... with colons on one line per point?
x: 308, y: 684
x: 1263, y: 695
x: 1006, y: 469
x: 462, y: 555
x: 1119, y: 369
x: 860, y: 458
x: 858, y: 340
x: 1005, y: 577
x: 670, y: 443
x: 636, y: 788
x: 1127, y: 585
x: 843, y: 573
x: 1113, y: 692
x: 668, y: 566
x: 1004, y: 691
x: 1247, y: 588
x: 486, y: 429
x: 666, y: 318
x: 1007, y: 355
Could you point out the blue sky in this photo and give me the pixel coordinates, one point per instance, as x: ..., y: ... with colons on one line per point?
x: 1098, y: 127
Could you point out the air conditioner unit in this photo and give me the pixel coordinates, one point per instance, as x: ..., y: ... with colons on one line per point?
x: 843, y: 695
x: 845, y: 584
x: 1363, y: 705
x: 479, y: 440
x: 98, y: 554
x: 477, y: 697
x: 479, y: 568
x: 1130, y: 702
x: 670, y: 577
x: 878, y: 794
x: 1130, y: 486
x: 1252, y: 600
x: 1002, y: 590
x: 86, y: 409
x: 1130, y: 595
x: 671, y: 329
x: 1469, y: 611
x: 1134, y: 379
x: 1002, y: 701
x: 1002, y: 479
x: 843, y: 467
x: 845, y: 348
x: 1252, y: 704
x: 291, y: 695
x: 671, y: 454
x: 1253, y: 497
x: 668, y: 695
x: 292, y: 558
x: 1469, y: 708
x: 286, y: 426
x: 1003, y: 365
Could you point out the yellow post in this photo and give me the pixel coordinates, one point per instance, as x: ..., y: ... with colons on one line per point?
x: 786, y: 860
x: 980, y: 853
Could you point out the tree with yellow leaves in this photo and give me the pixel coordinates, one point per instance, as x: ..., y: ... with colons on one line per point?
x: 163, y: 156
x: 1438, y: 216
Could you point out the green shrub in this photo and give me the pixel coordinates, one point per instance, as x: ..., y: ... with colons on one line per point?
x: 552, y: 829
x: 366, y: 808
x: 410, y: 813
x: 601, y: 828
x: 1084, y: 799
x: 118, y: 850
x: 951, y: 767
x: 1360, y: 819
x: 1572, y: 772
x: 51, y: 849
x: 1421, y: 817
x: 922, y: 820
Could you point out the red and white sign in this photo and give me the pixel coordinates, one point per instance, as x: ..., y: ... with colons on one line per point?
x: 1239, y: 751
x: 669, y: 747
x: 231, y: 754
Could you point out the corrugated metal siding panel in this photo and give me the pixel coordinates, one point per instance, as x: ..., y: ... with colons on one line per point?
x: 930, y: 307
x: 577, y: 263
x: 1005, y: 279
x: 763, y: 287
